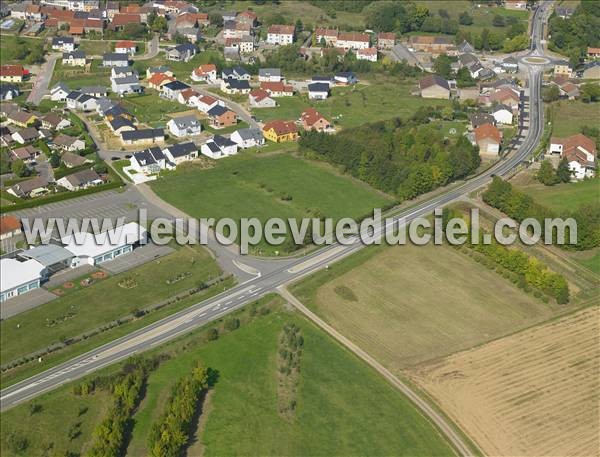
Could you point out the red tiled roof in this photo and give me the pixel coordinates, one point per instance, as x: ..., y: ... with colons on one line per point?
x: 76, y: 30
x: 12, y: 70
x: 157, y: 78
x: 51, y: 22
x: 572, y: 142
x: 203, y: 70
x: 322, y: 31
x: 259, y: 94
x: 367, y: 51
x: 248, y: 14
x: 280, y: 29
x: 310, y: 116
x: 187, y: 93
x: 33, y: 8
x: 386, y: 36
x: 125, y: 44
x: 281, y: 127
x: 503, y: 94
x: 272, y: 86
x: 9, y: 224
x: 487, y: 131
x: 354, y: 36
x: 207, y: 99
x: 186, y: 17
x: 123, y: 19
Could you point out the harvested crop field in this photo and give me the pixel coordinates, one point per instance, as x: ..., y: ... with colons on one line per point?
x: 531, y: 393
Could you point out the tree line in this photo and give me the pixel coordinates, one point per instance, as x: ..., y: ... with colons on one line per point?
x: 518, y: 205
x: 170, y: 433
x: 405, y: 159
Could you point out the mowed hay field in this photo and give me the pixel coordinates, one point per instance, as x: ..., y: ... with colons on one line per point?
x: 531, y: 393
x: 408, y: 304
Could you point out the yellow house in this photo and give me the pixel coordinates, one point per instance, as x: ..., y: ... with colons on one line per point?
x: 562, y: 68
x: 280, y: 131
x: 22, y: 118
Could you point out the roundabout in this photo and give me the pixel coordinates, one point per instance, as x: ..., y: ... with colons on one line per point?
x: 536, y: 60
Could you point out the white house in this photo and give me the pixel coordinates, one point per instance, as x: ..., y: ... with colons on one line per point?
x: 125, y: 47
x: 580, y: 152
x: 182, y: 152
x: 218, y: 147
x: 352, y: 40
x: 171, y: 90
x: 318, y: 91
x: 148, y: 161
x: 59, y: 93
x: 269, y: 75
x: 280, y: 34
x: 206, y: 73
x: 79, y: 101
x: 503, y: 114
x: 248, y: 138
x: 74, y: 59
x: 345, y: 78
x: 369, y: 54
x: 260, y: 98
x: 94, y: 249
x: 114, y: 59
x: 205, y: 103
x: 17, y: 278
x: 235, y: 86
x: 63, y: 43
x: 184, y: 126
x: 126, y: 85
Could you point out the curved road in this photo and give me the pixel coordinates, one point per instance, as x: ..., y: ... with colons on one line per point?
x: 286, y: 273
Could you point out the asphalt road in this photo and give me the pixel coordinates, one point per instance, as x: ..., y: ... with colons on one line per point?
x: 40, y: 87
x: 285, y: 273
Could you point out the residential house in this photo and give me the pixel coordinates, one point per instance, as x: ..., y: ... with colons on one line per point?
x: 145, y: 136
x: 181, y: 152
x: 510, y: 65
x: 126, y: 47
x: 515, y: 4
x: 157, y: 80
x: 126, y: 85
x: 569, y: 90
x: 235, y: 86
x: 59, y: 92
x: 188, y: 97
x: 313, y: 120
x: 278, y: 89
x: 488, y: 138
x: 184, y: 126
x: 593, y: 53
x: 345, y: 78
x: 260, y: 98
x: 591, y: 70
x: 71, y: 160
x: 247, y: 17
x: 352, y: 40
x: 580, y: 152
x: 465, y: 48
x: 246, y: 44
x: 186, y: 20
x: 120, y: 124
x: 506, y: 96
x: 503, y: 114
x: 160, y: 69
x: 74, y: 59
x: 26, y: 135
x: 218, y: 147
x: 564, y: 12
x: 562, y: 68
x: 8, y: 91
x: 63, y: 43
x: 329, y: 80
x: 53, y: 121
x: 204, y: 103
x: 191, y: 34
x: 280, y: 131
x: 26, y: 153
x: 120, y: 72
x: 327, y: 37
x: 182, y: 52
x: 432, y: 44
x: 12, y: 73
x: 29, y: 188
x: 68, y: 143
x: 280, y: 34
x: 236, y: 72
x: 468, y: 93
x: 80, y: 180
x: 22, y: 118
x: 113, y: 59
x: 171, y: 90
x: 206, y: 73
x: 386, y: 40
x: 318, y: 91
x: 248, y: 137
x: 221, y: 116
x: 79, y: 101
x: 149, y: 161
x: 369, y: 54
x: 9, y: 226
x: 434, y: 86
x: 269, y: 75
x: 94, y: 91
x: 231, y: 50
x: 120, y: 20
x: 117, y: 110
x: 233, y: 29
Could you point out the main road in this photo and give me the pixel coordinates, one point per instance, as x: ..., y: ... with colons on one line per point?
x: 288, y: 272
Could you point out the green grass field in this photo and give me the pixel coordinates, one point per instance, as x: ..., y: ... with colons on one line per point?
x: 571, y: 115
x: 343, y: 407
x: 353, y: 106
x: 151, y: 109
x: 99, y: 47
x: 76, y: 77
x: 408, y: 304
x: 272, y: 186
x: 100, y: 303
x: 565, y: 197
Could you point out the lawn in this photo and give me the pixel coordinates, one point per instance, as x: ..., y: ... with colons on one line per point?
x: 76, y: 77
x: 105, y: 301
x: 353, y: 106
x: 100, y: 47
x: 8, y: 43
x: 266, y: 187
x: 571, y: 115
x: 565, y: 197
x: 152, y: 109
x: 182, y: 70
x: 333, y: 416
x: 408, y: 304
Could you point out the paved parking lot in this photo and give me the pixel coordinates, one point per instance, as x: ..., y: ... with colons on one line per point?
x: 25, y: 302
x: 136, y: 258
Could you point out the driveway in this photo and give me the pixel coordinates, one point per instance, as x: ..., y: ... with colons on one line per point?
x: 151, y: 49
x: 40, y: 88
x: 44, y: 169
